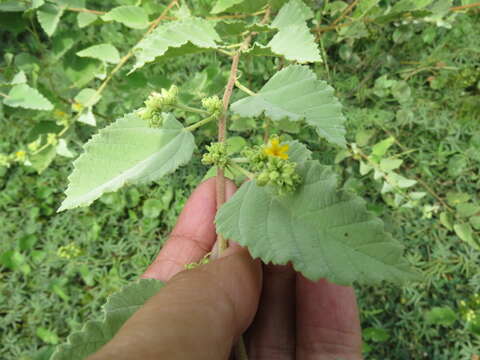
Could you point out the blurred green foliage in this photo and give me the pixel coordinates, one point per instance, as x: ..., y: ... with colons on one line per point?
x: 410, y: 90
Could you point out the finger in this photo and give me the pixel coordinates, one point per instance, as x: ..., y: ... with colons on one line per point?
x: 328, y: 325
x: 272, y: 334
x: 197, y: 315
x: 193, y: 236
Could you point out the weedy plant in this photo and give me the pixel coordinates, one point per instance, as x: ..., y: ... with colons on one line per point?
x: 291, y: 209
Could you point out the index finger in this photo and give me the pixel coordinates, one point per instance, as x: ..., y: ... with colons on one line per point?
x: 194, y: 235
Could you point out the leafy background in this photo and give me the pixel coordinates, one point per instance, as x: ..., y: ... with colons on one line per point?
x: 410, y: 90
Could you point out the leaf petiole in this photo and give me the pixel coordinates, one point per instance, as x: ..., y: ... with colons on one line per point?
x: 201, y: 123
x: 246, y: 90
x: 191, y: 109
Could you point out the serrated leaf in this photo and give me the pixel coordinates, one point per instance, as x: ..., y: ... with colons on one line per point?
x: 296, y: 43
x: 85, y: 19
x: 298, y: 152
x: 127, y: 152
x: 119, y: 308
x: 49, y: 16
x: 19, y: 78
x: 104, y: 52
x: 296, y: 94
x: 223, y: 5
x: 293, y: 12
x: 190, y: 35
x: 133, y: 17
x: 323, y: 232
x: 27, y: 97
x: 388, y: 165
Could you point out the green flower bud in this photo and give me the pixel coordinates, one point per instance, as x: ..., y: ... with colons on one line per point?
x: 213, y: 105
x: 156, y: 104
x: 217, y: 155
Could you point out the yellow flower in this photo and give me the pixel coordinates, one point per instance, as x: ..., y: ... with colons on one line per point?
x: 274, y: 148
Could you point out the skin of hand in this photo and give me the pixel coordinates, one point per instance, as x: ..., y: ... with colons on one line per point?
x: 201, y: 313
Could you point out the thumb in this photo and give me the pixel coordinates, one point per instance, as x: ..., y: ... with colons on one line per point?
x: 199, y: 314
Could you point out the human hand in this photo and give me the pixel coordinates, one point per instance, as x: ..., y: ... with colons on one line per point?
x: 201, y: 313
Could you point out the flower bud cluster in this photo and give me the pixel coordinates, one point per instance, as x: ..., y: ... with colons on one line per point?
x: 69, y: 251
x: 213, y: 105
x: 158, y: 103
x: 273, y: 170
x: 217, y: 155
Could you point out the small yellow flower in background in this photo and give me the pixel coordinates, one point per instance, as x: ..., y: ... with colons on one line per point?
x: 20, y: 156
x: 274, y: 148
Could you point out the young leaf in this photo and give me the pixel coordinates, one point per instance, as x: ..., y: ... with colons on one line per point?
x: 27, y: 97
x: 296, y: 43
x: 127, y: 152
x: 296, y: 94
x: 49, y: 16
x: 85, y: 19
x: 42, y: 160
x: 294, y: 12
x: 188, y: 36
x: 131, y: 16
x: 223, y: 5
x: 323, y: 232
x: 118, y: 309
x: 104, y: 52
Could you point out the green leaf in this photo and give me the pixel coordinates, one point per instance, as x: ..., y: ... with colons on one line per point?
x: 323, y: 232
x: 388, y: 165
x: 465, y: 233
x: 104, y: 52
x: 381, y: 148
x: 293, y: 13
x: 42, y: 160
x: 12, y: 6
x: 19, y: 78
x: 85, y: 19
x: 87, y: 97
x: 296, y: 94
x: 49, y: 16
x: 189, y: 35
x: 223, y: 5
x: 47, y: 336
x: 467, y: 209
x: 131, y: 16
x: 475, y: 221
x: 27, y: 97
x: 119, y: 308
x: 87, y: 117
x: 444, y: 316
x: 296, y: 43
x: 127, y: 152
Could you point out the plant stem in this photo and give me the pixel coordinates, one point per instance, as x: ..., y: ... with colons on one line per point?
x: 244, y: 88
x: 222, y: 124
x: 4, y: 95
x: 200, y: 123
x: 191, y: 109
x: 88, y: 11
